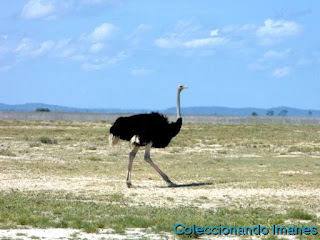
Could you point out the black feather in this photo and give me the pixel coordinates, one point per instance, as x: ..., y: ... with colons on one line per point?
x: 153, y: 127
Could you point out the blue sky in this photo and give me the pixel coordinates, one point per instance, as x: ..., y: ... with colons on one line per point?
x: 133, y: 54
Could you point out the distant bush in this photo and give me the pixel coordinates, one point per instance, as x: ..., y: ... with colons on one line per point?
x: 270, y: 113
x: 47, y: 140
x: 42, y: 110
x: 283, y: 112
x: 254, y: 114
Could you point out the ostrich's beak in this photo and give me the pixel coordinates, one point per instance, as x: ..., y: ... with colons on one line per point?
x: 184, y: 87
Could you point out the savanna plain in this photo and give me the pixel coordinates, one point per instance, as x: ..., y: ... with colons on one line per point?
x: 63, y: 174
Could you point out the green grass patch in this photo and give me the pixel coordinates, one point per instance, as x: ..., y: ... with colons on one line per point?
x: 303, y: 149
x: 300, y: 214
x: 94, y: 158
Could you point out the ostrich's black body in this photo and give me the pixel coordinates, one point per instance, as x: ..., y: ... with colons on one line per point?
x: 153, y: 127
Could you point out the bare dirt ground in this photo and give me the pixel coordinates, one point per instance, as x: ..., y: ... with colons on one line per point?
x: 58, y: 234
x: 142, y: 191
x: 61, y: 233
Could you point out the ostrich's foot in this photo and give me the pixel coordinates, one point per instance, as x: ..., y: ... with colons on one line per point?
x: 129, y: 184
x: 171, y: 184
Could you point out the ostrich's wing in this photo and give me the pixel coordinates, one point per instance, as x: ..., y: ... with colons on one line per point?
x: 145, y: 126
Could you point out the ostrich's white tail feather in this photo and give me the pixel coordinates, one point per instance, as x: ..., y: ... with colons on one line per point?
x: 135, y: 139
x: 113, y: 140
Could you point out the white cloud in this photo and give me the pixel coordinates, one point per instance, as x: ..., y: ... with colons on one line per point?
x: 275, y: 31
x: 205, y: 42
x: 185, y: 29
x: 63, y: 43
x: 277, y: 54
x: 93, y: 66
x: 84, y: 49
x: 102, y: 32
x: 143, y: 27
x: 44, y: 47
x: 29, y: 48
x: 65, y: 52
x: 167, y: 43
x: 38, y: 9
x: 278, y: 28
x: 236, y: 30
x: 24, y: 46
x: 194, y: 43
x: 119, y: 57
x: 140, y: 72
x: 101, y: 2
x: 102, y: 63
x: 92, y: 2
x: 214, y: 32
x: 139, y: 34
x: 188, y: 35
x: 270, y: 32
x: 50, y: 9
x: 96, y: 47
x: 281, y: 72
x: 65, y: 48
x: 182, y: 32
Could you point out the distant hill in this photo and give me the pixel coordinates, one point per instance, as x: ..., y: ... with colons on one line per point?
x: 219, y: 111
x: 31, y: 107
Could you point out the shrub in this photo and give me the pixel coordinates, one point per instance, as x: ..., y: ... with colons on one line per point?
x: 42, y: 110
x: 47, y: 140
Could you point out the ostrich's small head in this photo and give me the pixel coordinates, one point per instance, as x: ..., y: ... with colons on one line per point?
x: 181, y: 87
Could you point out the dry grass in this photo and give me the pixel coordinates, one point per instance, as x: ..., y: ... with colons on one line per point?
x: 258, y: 169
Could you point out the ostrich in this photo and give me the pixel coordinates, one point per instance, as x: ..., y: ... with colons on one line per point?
x: 148, y: 130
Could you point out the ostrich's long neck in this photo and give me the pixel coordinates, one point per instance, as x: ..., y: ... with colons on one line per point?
x: 178, y: 105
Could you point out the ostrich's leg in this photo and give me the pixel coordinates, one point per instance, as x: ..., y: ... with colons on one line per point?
x: 131, y: 157
x: 148, y: 159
